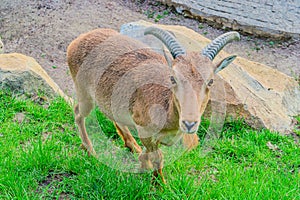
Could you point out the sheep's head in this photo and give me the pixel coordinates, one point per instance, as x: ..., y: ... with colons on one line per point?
x: 193, y: 75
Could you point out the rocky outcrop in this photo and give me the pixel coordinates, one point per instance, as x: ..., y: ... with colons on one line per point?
x: 264, y: 97
x: 22, y: 74
x: 279, y: 19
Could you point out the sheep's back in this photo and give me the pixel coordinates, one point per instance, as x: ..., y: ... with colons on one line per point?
x: 83, y: 45
x: 115, y: 66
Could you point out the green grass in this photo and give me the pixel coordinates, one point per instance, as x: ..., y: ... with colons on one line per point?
x: 41, y: 158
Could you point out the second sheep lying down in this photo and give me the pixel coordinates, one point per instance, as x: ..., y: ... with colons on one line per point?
x: 135, y: 88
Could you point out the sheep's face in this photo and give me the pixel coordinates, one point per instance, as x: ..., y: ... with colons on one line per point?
x: 193, y: 75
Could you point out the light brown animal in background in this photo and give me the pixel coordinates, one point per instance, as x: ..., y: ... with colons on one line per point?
x: 135, y: 88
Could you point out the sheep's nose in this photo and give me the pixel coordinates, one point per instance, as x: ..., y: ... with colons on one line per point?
x: 189, y: 125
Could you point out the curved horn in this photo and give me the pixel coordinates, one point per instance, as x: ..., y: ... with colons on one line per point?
x: 168, y: 39
x: 212, y: 49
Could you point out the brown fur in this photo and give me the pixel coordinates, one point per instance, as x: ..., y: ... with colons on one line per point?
x: 81, y: 46
x: 131, y: 85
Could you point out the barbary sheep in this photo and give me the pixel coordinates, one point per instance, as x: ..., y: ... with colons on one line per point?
x: 135, y: 88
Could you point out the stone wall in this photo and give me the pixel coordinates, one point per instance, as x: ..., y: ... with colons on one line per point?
x: 276, y: 18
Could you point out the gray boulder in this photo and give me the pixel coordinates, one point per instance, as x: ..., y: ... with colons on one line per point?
x: 23, y: 75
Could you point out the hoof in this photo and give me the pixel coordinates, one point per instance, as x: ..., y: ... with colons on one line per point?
x: 90, y: 153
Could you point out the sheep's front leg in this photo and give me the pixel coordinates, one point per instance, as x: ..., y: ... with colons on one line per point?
x: 81, y: 111
x: 157, y: 161
x: 152, y: 158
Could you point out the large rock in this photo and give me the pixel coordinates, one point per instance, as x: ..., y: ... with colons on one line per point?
x: 264, y: 97
x: 22, y: 74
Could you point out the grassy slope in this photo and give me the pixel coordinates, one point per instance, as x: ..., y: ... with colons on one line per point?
x: 41, y: 158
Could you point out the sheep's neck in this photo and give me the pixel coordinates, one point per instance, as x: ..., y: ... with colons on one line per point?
x: 173, y: 115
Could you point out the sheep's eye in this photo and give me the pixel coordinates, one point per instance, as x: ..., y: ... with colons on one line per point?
x: 173, y: 81
x: 211, y: 81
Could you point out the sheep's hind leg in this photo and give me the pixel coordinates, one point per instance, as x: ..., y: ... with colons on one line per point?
x: 81, y: 111
x: 126, y: 136
x: 190, y: 141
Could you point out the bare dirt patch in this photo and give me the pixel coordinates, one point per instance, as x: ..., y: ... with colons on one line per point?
x: 43, y: 30
x: 51, y: 184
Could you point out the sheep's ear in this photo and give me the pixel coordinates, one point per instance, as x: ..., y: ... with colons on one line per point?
x: 224, y: 63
